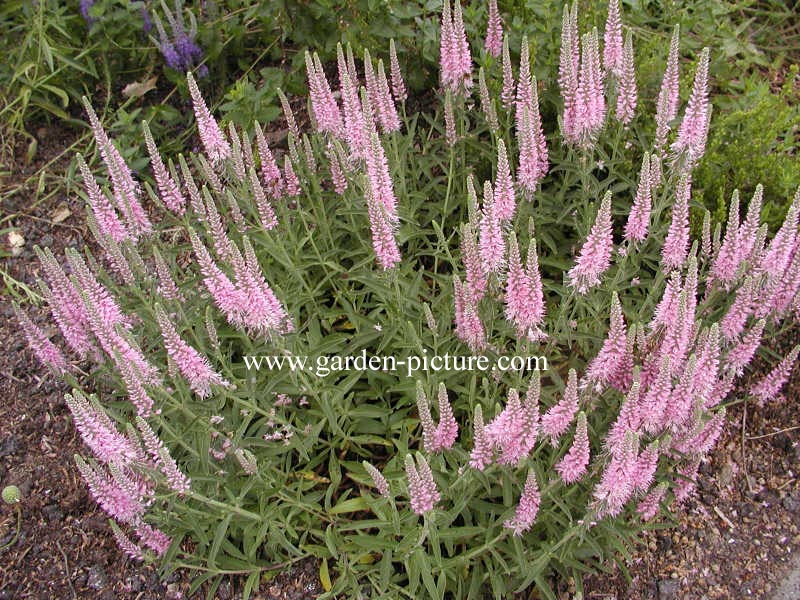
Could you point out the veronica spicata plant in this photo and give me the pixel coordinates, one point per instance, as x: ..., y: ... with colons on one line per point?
x: 489, y: 229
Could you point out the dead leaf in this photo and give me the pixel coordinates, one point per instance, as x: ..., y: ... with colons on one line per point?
x: 139, y: 88
x: 17, y: 243
x: 61, y: 213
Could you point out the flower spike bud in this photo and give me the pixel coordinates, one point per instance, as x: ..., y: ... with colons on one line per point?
x: 378, y: 479
x: 398, y: 86
x: 693, y: 131
x: 612, y: 40
x: 508, y: 94
x: 668, y: 97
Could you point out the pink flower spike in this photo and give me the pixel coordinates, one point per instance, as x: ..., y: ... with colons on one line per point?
x: 734, y: 321
x: 528, y: 507
x: 153, y: 538
x: 293, y: 188
x: 616, y: 484
x: 398, y: 86
x: 590, y: 107
x: 130, y: 548
x: 473, y: 267
x: 608, y: 362
x: 573, y: 466
x: 768, y: 388
x: 491, y: 244
x: 649, y: 506
x: 214, y: 142
x: 494, y: 31
x: 627, y: 90
x: 748, y: 232
x: 354, y: 121
x: 740, y: 355
x: 468, y: 326
x: 119, y: 500
x: 270, y: 173
x: 668, y: 97
x: 726, y: 262
x: 557, y: 419
x: 422, y: 491
x: 194, y: 367
x: 378, y: 479
x: 639, y: 219
x: 108, y: 222
x: 382, y: 228
x: 595, y: 255
x: 524, y: 296
x: 326, y: 111
x: 99, y: 433
x: 167, y: 188
x: 387, y: 113
x: 612, y: 40
x: 506, y: 431
x: 447, y: 430
x: 505, y: 202
x: 481, y: 454
x: 693, y: 131
x: 676, y: 246
x: 160, y: 455
x: 46, y: 351
x: 568, y: 71
x: 656, y: 400
x: 533, y: 159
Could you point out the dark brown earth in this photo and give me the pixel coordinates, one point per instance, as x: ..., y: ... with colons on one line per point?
x: 734, y: 539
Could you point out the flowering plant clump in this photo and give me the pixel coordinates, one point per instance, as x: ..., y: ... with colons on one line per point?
x: 485, y: 229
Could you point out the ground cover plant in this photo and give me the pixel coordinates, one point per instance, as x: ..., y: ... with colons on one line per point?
x: 498, y: 226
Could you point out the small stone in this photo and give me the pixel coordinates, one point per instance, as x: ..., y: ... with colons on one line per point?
x: 96, y: 578
x: 792, y: 503
x: 668, y: 589
x: 9, y: 446
x: 46, y: 241
x: 53, y: 513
